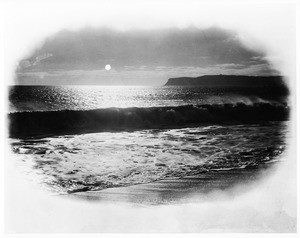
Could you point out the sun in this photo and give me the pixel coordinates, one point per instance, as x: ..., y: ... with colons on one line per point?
x: 107, y: 67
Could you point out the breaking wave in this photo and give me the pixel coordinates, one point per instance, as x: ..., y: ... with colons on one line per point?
x: 45, y: 123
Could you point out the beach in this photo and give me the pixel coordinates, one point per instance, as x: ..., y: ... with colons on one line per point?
x: 180, y: 205
x: 181, y: 190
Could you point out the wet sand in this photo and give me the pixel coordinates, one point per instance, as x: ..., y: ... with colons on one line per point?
x: 179, y: 190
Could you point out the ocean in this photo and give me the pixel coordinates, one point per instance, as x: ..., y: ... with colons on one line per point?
x: 70, y: 139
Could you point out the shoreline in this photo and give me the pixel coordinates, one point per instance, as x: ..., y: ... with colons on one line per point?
x: 180, y: 190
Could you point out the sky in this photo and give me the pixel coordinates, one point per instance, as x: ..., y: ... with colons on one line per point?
x: 67, y: 35
x: 139, y: 56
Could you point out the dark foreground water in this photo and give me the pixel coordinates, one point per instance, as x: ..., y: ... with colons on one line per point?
x: 69, y: 139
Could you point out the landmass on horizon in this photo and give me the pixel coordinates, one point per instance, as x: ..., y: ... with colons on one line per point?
x: 228, y: 81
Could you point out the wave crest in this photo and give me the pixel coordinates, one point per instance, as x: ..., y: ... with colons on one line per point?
x: 44, y: 123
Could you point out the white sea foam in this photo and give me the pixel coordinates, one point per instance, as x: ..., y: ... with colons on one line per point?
x: 102, y: 160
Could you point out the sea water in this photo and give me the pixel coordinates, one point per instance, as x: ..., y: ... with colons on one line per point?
x: 121, y: 136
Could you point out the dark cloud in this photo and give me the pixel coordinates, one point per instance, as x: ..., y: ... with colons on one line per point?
x: 143, y: 57
x: 93, y: 48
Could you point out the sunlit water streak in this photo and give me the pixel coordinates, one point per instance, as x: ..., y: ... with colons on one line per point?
x: 45, y: 98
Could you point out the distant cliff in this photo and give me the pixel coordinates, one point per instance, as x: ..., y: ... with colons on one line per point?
x: 229, y: 81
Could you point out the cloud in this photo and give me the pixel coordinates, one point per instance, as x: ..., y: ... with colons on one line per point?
x: 142, y: 57
x: 23, y: 64
x: 91, y: 48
